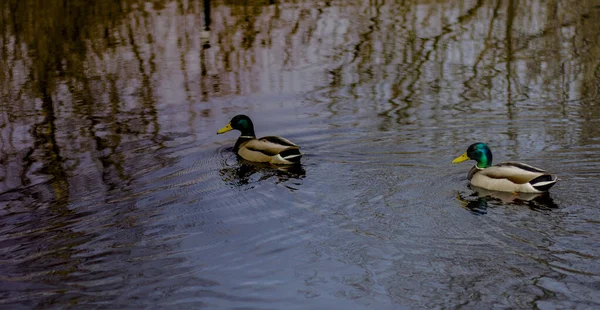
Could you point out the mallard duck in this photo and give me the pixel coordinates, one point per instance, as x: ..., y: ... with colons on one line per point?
x: 507, y: 176
x: 271, y: 149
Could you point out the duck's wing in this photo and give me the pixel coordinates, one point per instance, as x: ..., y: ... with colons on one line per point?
x: 265, y: 146
x: 260, y: 150
x: 515, y: 172
x: 522, y: 166
x: 278, y: 140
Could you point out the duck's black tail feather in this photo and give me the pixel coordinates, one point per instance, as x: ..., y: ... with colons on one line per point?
x: 291, y: 154
x: 544, y: 182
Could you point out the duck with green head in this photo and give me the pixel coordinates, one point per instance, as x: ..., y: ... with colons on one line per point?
x: 507, y: 176
x: 270, y: 149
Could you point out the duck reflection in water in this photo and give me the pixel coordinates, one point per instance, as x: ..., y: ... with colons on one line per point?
x: 242, y: 173
x: 477, y: 202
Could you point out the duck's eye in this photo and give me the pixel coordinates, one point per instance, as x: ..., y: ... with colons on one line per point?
x: 243, y: 123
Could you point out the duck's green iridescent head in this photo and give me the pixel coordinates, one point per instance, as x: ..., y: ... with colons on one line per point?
x: 241, y: 123
x: 478, y: 152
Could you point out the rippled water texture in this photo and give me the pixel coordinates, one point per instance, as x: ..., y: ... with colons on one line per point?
x: 116, y: 192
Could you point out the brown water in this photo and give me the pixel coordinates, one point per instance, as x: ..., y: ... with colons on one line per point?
x: 116, y: 192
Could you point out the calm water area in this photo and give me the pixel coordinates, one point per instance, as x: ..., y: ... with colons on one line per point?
x: 116, y: 192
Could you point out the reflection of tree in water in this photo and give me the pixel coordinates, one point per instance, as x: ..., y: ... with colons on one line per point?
x: 412, y: 62
x: 480, y: 199
x: 66, y: 133
x: 52, y: 40
x: 587, y: 43
x: 416, y: 63
x: 79, y: 79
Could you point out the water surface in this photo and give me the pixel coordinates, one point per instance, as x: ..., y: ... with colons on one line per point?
x: 115, y: 191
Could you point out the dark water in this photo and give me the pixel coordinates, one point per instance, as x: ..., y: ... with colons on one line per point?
x: 116, y: 192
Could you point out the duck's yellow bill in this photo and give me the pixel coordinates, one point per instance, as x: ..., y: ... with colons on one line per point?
x: 225, y: 129
x: 461, y: 158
